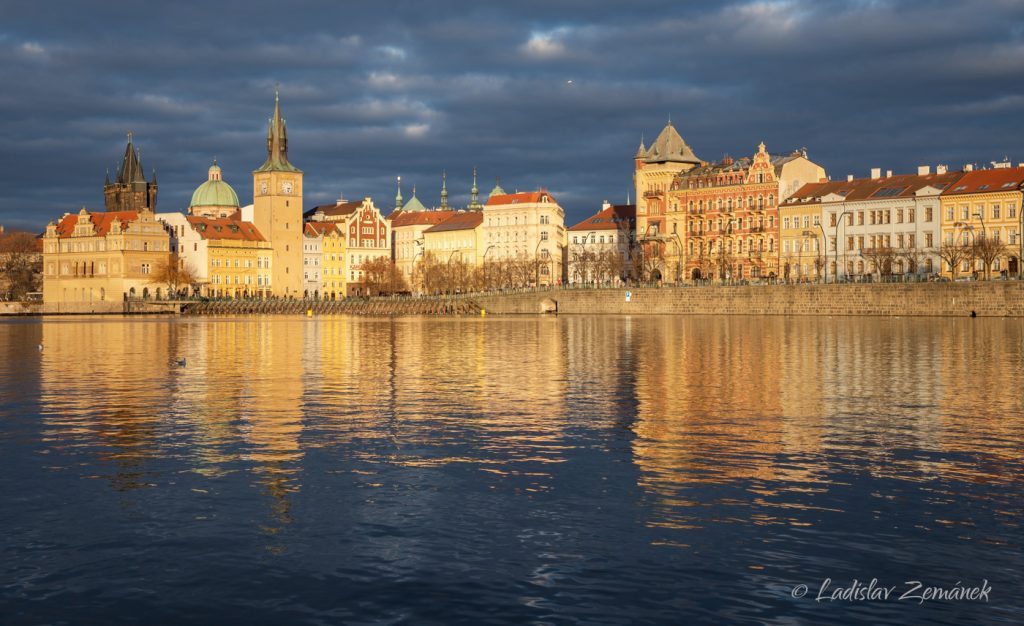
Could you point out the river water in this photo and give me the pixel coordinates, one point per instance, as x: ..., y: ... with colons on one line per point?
x: 590, y: 470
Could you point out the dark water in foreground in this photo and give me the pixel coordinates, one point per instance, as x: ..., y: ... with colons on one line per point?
x: 592, y: 470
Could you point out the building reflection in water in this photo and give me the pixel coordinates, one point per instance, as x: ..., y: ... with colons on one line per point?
x: 763, y: 415
x: 733, y: 419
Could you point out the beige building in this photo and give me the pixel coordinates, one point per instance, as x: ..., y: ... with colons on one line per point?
x: 94, y: 259
x: 229, y: 258
x: 277, y: 209
x: 407, y: 227
x: 527, y: 225
x: 600, y: 246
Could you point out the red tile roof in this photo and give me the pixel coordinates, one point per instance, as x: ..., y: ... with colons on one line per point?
x: 414, y: 218
x: 522, y: 197
x: 314, y: 229
x: 988, y: 181
x: 101, y: 221
x: 608, y: 219
x: 899, y: 186
x: 224, y: 228
x: 459, y: 221
x: 335, y: 210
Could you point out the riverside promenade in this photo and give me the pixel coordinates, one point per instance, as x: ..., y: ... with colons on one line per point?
x: 995, y: 298
x: 982, y: 299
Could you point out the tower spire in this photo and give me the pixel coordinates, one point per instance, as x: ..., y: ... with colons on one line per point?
x: 277, y: 142
x: 474, y: 194
x: 398, y: 196
x: 444, y: 190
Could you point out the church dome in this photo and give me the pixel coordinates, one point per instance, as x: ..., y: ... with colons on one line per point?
x: 214, y: 192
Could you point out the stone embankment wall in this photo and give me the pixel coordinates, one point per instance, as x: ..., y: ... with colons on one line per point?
x: 985, y: 299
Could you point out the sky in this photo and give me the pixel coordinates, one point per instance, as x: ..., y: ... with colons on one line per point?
x: 553, y: 94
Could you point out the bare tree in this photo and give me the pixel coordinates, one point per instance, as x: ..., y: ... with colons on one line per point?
x: 174, y: 273
x: 987, y: 250
x: 881, y: 258
x: 382, y: 276
x: 21, y: 264
x: 953, y: 254
x: 914, y: 258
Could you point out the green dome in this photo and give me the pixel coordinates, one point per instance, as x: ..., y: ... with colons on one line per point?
x: 214, y: 192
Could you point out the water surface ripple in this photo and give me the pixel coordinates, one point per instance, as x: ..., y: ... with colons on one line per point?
x: 572, y: 470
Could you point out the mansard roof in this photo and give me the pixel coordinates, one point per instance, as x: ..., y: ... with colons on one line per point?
x: 881, y: 188
x: 224, y: 228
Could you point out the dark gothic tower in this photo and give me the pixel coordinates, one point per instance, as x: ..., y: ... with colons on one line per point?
x: 130, y: 191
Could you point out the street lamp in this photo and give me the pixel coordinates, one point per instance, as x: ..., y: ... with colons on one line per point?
x: 536, y: 260
x: 824, y: 250
x: 836, y: 255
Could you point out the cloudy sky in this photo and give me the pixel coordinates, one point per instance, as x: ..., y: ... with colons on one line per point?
x: 549, y: 93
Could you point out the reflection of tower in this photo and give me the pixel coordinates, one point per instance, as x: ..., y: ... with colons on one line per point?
x: 277, y: 208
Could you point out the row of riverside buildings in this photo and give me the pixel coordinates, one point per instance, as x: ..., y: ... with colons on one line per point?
x: 772, y: 216
x: 763, y: 217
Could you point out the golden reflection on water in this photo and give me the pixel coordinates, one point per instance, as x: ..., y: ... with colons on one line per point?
x: 779, y: 408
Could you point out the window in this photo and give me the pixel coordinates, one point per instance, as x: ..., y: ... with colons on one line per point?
x: 927, y: 214
x: 949, y: 214
x: 928, y: 240
x: 860, y: 218
x: 995, y: 211
x: 832, y: 219
x: 145, y: 268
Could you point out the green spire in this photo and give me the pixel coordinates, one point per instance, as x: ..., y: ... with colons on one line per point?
x: 398, y: 196
x: 474, y: 194
x: 497, y: 191
x: 444, y: 190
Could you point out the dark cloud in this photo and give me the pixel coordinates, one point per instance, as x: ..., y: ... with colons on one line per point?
x: 375, y: 90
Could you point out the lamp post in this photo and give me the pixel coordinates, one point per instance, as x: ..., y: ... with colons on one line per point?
x: 536, y: 261
x: 484, y: 260
x: 836, y: 256
x: 984, y: 235
x: 824, y: 250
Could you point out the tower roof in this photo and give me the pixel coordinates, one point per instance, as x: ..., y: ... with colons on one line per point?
x: 413, y: 204
x: 669, y: 147
x: 277, y: 143
x: 131, y: 167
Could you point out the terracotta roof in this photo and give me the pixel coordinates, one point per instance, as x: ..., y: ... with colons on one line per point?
x: 101, y: 221
x: 224, y: 228
x: 608, y: 219
x: 459, y: 221
x: 334, y: 210
x: 899, y: 186
x: 420, y: 217
x: 523, y: 197
x: 988, y: 181
x: 314, y: 229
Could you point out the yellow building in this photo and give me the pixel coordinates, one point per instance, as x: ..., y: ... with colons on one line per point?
x: 460, y: 237
x: 93, y: 261
x: 655, y: 168
x: 277, y: 209
x: 985, y: 204
x: 802, y: 242
x: 332, y: 258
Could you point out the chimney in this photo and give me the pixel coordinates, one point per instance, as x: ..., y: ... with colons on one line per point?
x: 849, y: 178
x: 888, y: 173
x: 924, y: 170
x: 969, y: 167
x: 605, y: 205
x: 941, y: 169
x: 876, y: 172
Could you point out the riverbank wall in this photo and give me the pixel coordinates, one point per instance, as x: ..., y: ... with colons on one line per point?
x: 980, y: 299
x: 983, y: 299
